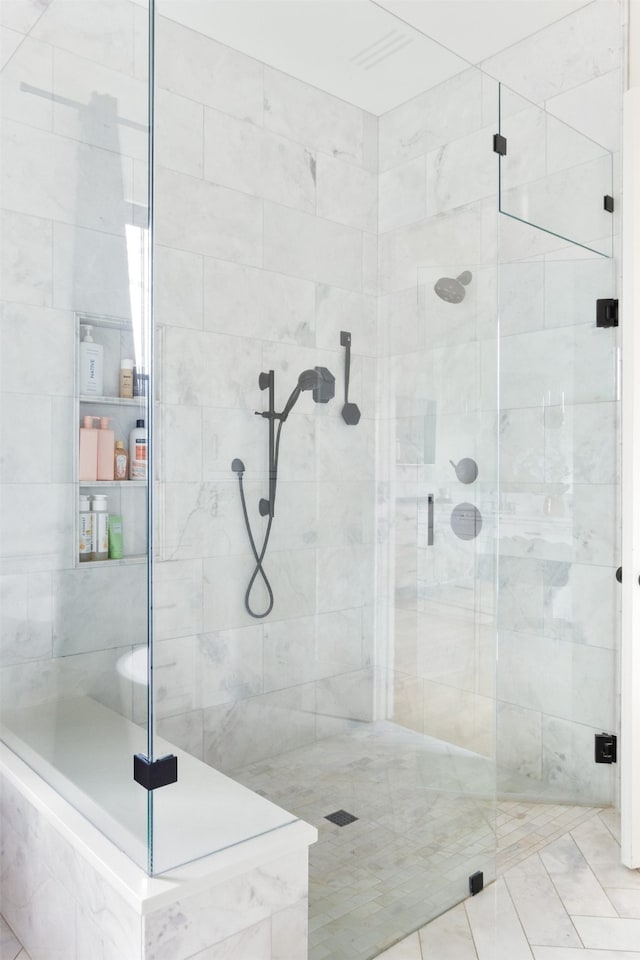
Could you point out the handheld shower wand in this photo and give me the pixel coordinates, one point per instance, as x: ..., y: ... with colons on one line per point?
x: 322, y: 383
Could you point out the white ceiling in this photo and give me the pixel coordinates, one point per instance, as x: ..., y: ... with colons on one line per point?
x: 373, y: 53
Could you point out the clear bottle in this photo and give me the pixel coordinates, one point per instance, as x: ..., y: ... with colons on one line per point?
x: 100, y: 531
x: 120, y: 461
x: 85, y: 525
x: 91, y: 369
x: 138, y: 452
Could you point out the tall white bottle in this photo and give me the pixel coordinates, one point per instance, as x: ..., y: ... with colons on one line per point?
x: 91, y: 370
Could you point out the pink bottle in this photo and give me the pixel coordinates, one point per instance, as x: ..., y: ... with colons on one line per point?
x: 106, y: 448
x: 88, y: 459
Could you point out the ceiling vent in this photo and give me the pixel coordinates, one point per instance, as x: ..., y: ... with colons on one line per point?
x: 388, y: 45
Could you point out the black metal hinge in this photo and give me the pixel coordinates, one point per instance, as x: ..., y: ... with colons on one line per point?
x: 500, y: 144
x: 608, y: 203
x: 606, y: 313
x: 152, y: 774
x: 476, y: 882
x: 606, y: 748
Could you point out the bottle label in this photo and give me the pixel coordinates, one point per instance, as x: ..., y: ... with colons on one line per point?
x: 85, y: 534
x: 121, y: 466
x: 141, y: 449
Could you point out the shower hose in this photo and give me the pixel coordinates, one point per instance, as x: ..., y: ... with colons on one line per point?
x: 259, y: 557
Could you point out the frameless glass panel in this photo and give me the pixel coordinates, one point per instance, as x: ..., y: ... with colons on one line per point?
x: 558, y: 607
x: 553, y: 176
x: 74, y: 136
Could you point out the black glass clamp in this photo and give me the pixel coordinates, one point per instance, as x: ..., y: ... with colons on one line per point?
x: 608, y: 203
x: 606, y: 313
x: 500, y: 144
x: 152, y: 774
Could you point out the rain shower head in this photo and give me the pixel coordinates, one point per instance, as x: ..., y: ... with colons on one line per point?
x: 453, y: 290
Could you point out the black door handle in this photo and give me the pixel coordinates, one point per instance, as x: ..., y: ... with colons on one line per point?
x: 619, y: 575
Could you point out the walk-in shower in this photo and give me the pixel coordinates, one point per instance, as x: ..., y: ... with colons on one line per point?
x: 399, y: 601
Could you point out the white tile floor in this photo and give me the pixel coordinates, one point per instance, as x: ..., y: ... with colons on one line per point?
x: 570, y: 900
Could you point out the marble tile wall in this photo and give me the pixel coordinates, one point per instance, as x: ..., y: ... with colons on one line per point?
x: 72, y: 125
x: 267, y: 207
x: 555, y: 426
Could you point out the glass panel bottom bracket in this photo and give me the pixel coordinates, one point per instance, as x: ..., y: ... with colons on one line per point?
x: 152, y: 774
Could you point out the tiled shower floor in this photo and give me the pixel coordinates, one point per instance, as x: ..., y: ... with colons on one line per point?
x: 425, y: 823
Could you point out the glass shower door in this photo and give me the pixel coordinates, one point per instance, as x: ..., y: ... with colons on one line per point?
x: 559, y: 459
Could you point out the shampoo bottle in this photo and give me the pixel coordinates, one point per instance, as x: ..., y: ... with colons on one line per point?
x: 84, y: 529
x: 100, y: 531
x: 120, y: 462
x: 88, y: 459
x: 105, y: 450
x: 138, y: 452
x: 91, y: 371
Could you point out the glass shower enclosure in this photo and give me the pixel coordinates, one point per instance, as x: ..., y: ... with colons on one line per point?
x: 356, y: 577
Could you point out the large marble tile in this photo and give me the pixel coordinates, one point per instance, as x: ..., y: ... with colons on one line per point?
x: 193, y: 363
x: 205, y: 71
x: 26, y: 462
x: 94, y: 674
x: 460, y: 172
x: 521, y: 297
x: 588, y: 108
x: 180, y: 454
x: 519, y: 740
x: 101, y: 31
x: 178, y: 288
x: 344, y: 577
x: 81, y: 593
x: 229, y: 666
x: 309, y: 648
x: 540, y: 909
x: 258, y: 303
x: 179, y: 133
x: 337, y: 310
x: 307, y: 115
x: 80, y: 184
x: 495, y: 926
x: 566, y: 365
x: 312, y: 248
x: 522, y: 445
x: 346, y: 194
x: 538, y: 67
x: 201, y: 217
x: 447, y: 111
x: 581, y: 443
x: 10, y: 946
x: 348, y: 696
x: 50, y: 509
x: 407, y: 949
x: 600, y: 933
x: 21, y: 15
x: 567, y: 762
x: 402, y: 194
x: 259, y: 727
x: 293, y: 580
x: 90, y: 271
x: 571, y: 286
x: 439, y: 241
x: 29, y: 66
x: 602, y: 853
x: 96, y: 105
x: 245, y: 157
x: 448, y: 937
x: 254, y: 942
x: 201, y: 520
x: 289, y: 932
x: 26, y: 617
x: 580, y: 953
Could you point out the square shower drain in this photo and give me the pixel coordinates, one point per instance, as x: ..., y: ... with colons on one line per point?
x: 341, y: 818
